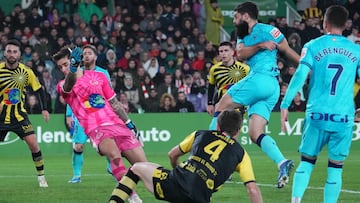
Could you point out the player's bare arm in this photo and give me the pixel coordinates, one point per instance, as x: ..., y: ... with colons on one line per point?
x: 70, y: 81
x: 174, y: 154
x: 283, y: 46
x: 119, y: 109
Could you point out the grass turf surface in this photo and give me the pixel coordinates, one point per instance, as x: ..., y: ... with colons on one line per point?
x: 18, y: 182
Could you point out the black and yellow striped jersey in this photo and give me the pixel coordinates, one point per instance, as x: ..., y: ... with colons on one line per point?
x: 213, y: 157
x: 223, y: 77
x: 13, y: 84
x: 312, y: 12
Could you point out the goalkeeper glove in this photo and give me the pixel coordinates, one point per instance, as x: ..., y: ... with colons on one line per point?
x: 75, y: 59
x: 133, y: 129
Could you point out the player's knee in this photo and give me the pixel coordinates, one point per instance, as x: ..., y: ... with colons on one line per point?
x: 78, y: 147
x: 309, y: 159
x: 335, y: 164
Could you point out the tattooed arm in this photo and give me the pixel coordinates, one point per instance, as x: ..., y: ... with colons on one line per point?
x: 119, y: 109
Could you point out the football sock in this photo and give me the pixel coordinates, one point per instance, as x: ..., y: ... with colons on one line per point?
x: 118, y: 168
x: 333, y: 183
x: 213, y: 122
x: 77, y: 163
x: 39, y: 162
x: 269, y: 147
x: 125, y: 187
x: 302, y: 178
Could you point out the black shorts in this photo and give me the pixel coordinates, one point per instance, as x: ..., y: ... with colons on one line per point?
x: 22, y: 129
x: 166, y: 187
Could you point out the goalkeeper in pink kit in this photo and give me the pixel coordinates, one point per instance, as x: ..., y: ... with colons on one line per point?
x: 101, y: 115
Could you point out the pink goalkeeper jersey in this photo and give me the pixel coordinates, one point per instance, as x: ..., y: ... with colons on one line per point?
x: 89, y: 100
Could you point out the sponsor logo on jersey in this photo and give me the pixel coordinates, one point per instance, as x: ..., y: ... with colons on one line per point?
x: 275, y: 33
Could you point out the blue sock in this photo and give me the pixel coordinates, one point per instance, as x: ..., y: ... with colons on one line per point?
x: 213, y: 124
x: 77, y: 163
x: 268, y: 145
x: 333, y: 184
x: 301, y: 179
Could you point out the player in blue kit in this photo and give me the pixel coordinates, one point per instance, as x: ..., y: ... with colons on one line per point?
x: 260, y: 89
x: 334, y: 62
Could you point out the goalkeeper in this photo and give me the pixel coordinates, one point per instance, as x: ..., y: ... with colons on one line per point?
x: 102, y: 116
x: 214, y: 155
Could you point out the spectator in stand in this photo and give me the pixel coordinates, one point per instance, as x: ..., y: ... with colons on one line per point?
x: 162, y: 57
x: 354, y: 36
x: 44, y: 48
x: 160, y: 76
x: 34, y: 19
x: 178, y: 78
x: 182, y: 104
x: 314, y: 13
x: 168, y: 86
x: 152, y: 103
x: 32, y: 105
x: 200, y: 14
x: 295, y: 42
x: 131, y: 90
x: 87, y: 8
x: 168, y: 17
x: 297, y: 105
x: 289, y: 72
x: 186, y: 67
x: 151, y: 67
x: 187, y: 14
x: 283, y: 89
x: 348, y: 27
x: 123, y: 62
x: 167, y: 103
x: 171, y: 64
x: 214, y: 20
x: 128, y: 106
x: 199, y: 61
x: 187, y: 48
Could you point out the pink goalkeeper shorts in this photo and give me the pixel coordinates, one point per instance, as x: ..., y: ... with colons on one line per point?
x: 124, y: 138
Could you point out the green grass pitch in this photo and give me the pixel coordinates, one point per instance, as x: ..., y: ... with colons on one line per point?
x: 18, y: 182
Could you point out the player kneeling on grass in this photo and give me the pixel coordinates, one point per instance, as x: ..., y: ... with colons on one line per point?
x: 214, y: 156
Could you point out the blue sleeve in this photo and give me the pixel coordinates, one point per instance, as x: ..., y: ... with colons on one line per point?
x: 296, y: 83
x: 69, y: 112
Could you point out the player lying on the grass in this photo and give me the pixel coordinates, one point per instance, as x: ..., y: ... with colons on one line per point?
x: 214, y: 156
x: 102, y: 116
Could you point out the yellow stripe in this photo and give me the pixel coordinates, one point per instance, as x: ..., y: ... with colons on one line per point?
x: 119, y: 193
x: 7, y: 117
x: 157, y: 173
x: 128, y: 182
x: 39, y: 163
x: 17, y: 115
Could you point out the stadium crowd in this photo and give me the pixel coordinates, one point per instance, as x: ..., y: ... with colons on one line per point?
x: 158, y: 53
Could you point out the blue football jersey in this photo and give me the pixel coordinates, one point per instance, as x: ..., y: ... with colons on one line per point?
x: 334, y: 62
x: 263, y: 61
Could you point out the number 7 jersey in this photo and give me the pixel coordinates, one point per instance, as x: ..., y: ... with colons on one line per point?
x: 334, y: 62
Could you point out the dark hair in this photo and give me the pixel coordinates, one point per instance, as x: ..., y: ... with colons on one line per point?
x: 336, y: 16
x: 14, y: 42
x: 63, y: 52
x: 226, y: 43
x: 230, y: 121
x: 92, y: 47
x: 249, y: 8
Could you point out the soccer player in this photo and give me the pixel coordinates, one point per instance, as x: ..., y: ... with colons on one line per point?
x: 223, y: 75
x: 79, y: 137
x: 213, y: 156
x: 260, y: 89
x: 329, y: 119
x: 15, y: 78
x: 105, y: 122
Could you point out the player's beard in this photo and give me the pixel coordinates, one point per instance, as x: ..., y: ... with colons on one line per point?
x: 11, y: 60
x: 87, y: 64
x: 242, y: 29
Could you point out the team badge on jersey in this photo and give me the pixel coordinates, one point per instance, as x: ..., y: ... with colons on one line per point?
x: 12, y: 96
x: 94, y: 102
x: 275, y: 33
x: 303, y: 53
